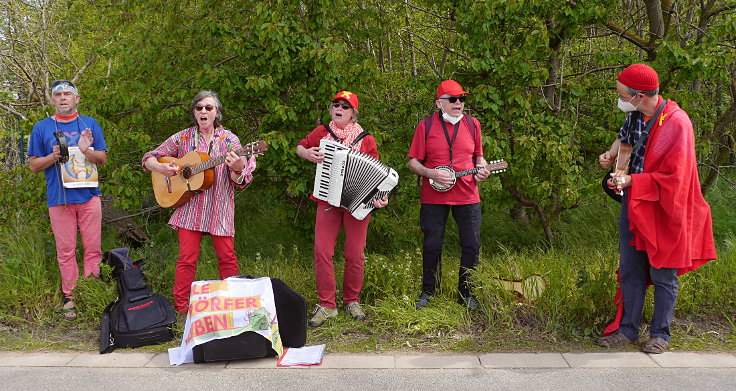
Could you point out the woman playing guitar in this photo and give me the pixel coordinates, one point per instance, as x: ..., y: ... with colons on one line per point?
x: 210, y: 211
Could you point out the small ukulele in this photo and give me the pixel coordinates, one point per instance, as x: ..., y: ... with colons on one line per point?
x: 494, y: 167
x: 195, y: 175
x: 622, y: 164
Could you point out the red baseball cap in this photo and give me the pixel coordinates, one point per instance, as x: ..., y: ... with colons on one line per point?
x: 639, y: 77
x: 352, y: 98
x: 450, y: 87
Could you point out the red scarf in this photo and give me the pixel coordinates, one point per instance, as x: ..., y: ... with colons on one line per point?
x: 67, y: 117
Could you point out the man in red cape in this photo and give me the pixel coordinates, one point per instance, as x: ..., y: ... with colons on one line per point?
x: 665, y: 227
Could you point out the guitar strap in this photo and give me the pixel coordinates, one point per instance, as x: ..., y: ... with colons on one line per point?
x: 430, y: 119
x: 447, y: 137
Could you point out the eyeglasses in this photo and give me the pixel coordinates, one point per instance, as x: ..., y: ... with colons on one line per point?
x: 207, y: 107
x: 345, y: 106
x: 454, y: 99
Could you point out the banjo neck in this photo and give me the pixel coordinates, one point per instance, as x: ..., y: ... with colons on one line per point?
x: 494, y: 167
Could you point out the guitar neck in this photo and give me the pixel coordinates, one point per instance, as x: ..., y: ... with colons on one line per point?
x: 623, y: 158
x: 204, y: 166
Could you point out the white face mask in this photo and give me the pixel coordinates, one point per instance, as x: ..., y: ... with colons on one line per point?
x: 451, y: 119
x: 626, y: 106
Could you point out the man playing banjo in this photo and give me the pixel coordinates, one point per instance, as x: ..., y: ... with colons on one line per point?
x: 448, y: 138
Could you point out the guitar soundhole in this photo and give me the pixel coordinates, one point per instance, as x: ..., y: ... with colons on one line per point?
x: 186, y: 173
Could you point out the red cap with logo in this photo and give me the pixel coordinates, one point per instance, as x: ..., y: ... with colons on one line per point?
x: 348, y: 96
x: 450, y: 87
x: 639, y: 77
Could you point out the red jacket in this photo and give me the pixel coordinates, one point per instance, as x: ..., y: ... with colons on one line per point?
x: 668, y: 215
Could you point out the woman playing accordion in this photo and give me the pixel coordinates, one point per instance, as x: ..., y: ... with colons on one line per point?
x: 343, y: 128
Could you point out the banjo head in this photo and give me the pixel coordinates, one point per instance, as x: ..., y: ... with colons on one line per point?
x: 441, y: 188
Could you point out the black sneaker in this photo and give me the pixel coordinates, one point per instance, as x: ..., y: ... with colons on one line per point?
x: 470, y: 302
x: 423, y: 300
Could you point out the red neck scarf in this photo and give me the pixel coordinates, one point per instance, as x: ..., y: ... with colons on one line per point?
x: 67, y: 117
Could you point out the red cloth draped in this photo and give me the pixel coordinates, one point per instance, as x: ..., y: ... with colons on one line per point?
x: 668, y: 215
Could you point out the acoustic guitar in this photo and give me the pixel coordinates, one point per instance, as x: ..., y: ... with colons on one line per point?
x: 494, y: 167
x: 195, y: 174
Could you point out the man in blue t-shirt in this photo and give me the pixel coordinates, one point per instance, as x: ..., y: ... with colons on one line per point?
x: 70, y: 207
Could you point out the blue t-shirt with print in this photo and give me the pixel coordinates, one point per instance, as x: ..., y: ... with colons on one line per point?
x: 42, y: 144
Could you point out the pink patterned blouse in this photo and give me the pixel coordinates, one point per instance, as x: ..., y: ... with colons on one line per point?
x: 212, y: 210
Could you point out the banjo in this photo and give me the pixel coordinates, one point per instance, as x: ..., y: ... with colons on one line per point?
x: 494, y: 167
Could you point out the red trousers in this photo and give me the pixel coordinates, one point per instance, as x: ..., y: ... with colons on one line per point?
x: 65, y: 219
x: 328, y: 225
x: 186, y: 265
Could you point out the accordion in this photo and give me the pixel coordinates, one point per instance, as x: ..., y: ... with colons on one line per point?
x: 351, y: 180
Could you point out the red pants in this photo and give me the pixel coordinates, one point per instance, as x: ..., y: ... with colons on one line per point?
x: 186, y: 265
x: 65, y: 219
x: 328, y: 225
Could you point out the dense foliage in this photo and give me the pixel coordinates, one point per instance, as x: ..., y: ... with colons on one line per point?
x: 541, y: 74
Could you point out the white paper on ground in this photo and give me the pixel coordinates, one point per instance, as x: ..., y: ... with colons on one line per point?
x: 308, y: 355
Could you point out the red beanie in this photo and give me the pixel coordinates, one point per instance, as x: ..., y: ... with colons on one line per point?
x: 639, y: 77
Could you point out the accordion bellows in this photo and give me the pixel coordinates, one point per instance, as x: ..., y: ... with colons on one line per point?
x: 350, y: 179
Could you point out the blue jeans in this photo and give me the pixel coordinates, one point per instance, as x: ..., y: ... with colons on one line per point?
x: 635, y: 272
x: 433, y: 219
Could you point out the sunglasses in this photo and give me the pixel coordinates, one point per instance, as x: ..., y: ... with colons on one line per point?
x: 207, y: 107
x: 454, y: 99
x: 61, y: 83
x: 345, y: 106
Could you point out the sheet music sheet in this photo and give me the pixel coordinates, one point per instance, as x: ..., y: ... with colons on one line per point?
x: 308, y: 355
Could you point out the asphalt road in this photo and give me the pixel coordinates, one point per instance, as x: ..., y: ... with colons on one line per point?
x: 287, y: 379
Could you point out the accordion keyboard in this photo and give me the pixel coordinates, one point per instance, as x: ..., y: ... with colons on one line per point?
x: 351, y: 180
x: 322, y: 178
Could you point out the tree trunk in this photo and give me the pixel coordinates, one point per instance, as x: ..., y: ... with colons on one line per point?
x: 412, y: 55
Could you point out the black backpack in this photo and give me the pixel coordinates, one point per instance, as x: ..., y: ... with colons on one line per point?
x: 291, y: 310
x: 138, y: 317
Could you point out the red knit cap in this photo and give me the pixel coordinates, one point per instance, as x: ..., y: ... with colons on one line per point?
x: 639, y: 77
